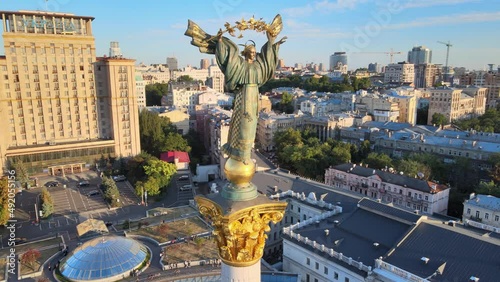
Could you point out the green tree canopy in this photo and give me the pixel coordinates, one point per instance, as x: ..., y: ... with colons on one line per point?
x: 4, y: 202
x: 154, y: 93
x: 47, y: 203
x: 378, y: 161
x: 488, y: 188
x: 439, y: 119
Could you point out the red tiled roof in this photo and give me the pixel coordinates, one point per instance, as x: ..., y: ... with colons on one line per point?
x: 170, y: 157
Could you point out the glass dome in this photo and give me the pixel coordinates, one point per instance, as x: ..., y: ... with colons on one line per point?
x: 104, y: 257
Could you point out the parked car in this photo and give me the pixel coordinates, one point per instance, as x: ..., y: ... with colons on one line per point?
x: 184, y: 177
x: 52, y: 184
x: 119, y: 178
x: 83, y: 183
x: 186, y: 187
x: 93, y: 193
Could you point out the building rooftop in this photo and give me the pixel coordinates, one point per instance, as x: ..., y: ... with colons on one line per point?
x: 171, y: 156
x: 464, y: 255
x: 485, y: 201
x: 44, y: 13
x: 397, y: 179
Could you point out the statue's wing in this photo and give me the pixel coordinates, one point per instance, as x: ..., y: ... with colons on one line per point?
x: 276, y: 26
x: 204, y: 41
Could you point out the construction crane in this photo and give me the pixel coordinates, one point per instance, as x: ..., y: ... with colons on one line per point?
x: 448, y: 45
x: 391, y: 53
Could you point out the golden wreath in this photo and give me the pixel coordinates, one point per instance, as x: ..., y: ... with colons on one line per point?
x: 253, y: 24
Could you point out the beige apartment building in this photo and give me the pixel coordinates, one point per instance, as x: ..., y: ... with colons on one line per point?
x: 58, y: 120
x: 400, y: 73
x: 426, y: 75
x: 457, y: 103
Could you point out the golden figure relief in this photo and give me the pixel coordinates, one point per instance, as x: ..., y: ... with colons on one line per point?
x: 241, y: 236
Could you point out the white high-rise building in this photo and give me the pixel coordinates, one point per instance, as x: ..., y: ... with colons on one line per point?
x: 420, y: 55
x: 114, y: 50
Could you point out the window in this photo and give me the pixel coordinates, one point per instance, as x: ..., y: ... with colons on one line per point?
x: 325, y: 270
x: 317, y: 265
x: 497, y: 217
x: 308, y: 278
x: 478, y: 214
x: 486, y: 216
x: 468, y: 211
x: 346, y: 279
x: 308, y: 261
x: 335, y: 276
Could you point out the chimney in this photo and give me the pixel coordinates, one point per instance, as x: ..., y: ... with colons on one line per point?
x: 474, y: 279
x: 327, y: 232
x: 376, y: 244
x: 425, y: 260
x: 472, y: 195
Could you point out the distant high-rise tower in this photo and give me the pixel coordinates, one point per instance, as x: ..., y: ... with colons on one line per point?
x: 114, y: 50
x: 420, y: 55
x: 281, y: 63
x: 374, y: 67
x: 338, y: 62
x: 321, y: 67
x: 172, y: 63
x: 204, y: 64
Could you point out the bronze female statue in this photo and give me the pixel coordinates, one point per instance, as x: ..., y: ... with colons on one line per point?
x: 243, y: 76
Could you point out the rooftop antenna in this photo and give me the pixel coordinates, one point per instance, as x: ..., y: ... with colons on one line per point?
x: 46, y: 6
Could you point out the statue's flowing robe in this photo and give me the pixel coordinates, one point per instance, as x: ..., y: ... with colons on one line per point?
x: 243, y: 79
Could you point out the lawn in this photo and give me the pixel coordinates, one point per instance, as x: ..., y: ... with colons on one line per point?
x: 3, y: 261
x: 162, y: 214
x: 45, y: 255
x: 174, y: 229
x: 197, y: 249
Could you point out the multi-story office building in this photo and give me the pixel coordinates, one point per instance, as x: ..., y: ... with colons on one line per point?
x: 172, y: 63
x: 401, y: 73
x: 382, y: 108
x: 204, y: 64
x: 403, y: 191
x: 457, y: 103
x: 118, y: 114
x: 420, y: 55
x: 184, y: 95
x: 426, y: 75
x: 338, y: 62
x: 215, y: 79
x: 482, y: 210
x: 140, y: 91
x: 56, y: 120
x: 269, y: 123
x: 374, y: 67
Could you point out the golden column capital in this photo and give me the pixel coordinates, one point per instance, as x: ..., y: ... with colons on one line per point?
x: 241, y: 235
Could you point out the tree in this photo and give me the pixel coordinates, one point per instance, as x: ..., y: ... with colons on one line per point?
x: 175, y: 142
x: 494, y: 161
x: 110, y: 191
x: 159, y: 170
x: 4, y: 201
x: 22, y: 174
x: 155, y: 92
x: 185, y: 78
x: 413, y: 168
x: 154, y: 134
x: 151, y: 186
x: 378, y: 161
x: 47, y: 203
x: 439, y: 119
x: 29, y: 258
x: 488, y: 188
x: 340, y: 155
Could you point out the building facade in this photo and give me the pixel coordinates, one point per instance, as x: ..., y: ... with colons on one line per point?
x: 140, y: 90
x: 338, y: 62
x: 420, y: 55
x: 399, y: 74
x: 400, y: 190
x: 484, y: 209
x: 58, y: 121
x: 457, y: 103
x: 426, y: 75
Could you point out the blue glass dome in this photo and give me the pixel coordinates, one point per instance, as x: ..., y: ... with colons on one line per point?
x: 103, y: 257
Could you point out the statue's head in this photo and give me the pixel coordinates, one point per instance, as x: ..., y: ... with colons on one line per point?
x: 249, y: 51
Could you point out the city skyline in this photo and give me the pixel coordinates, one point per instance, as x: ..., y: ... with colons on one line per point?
x: 315, y: 30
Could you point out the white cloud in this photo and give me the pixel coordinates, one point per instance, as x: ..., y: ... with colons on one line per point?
x: 324, y: 6
x: 474, y: 17
x: 430, y: 3
x: 298, y: 29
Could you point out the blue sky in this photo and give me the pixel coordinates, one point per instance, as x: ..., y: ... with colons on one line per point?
x: 150, y: 31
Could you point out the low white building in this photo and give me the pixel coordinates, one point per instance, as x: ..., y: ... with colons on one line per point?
x: 483, y: 209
